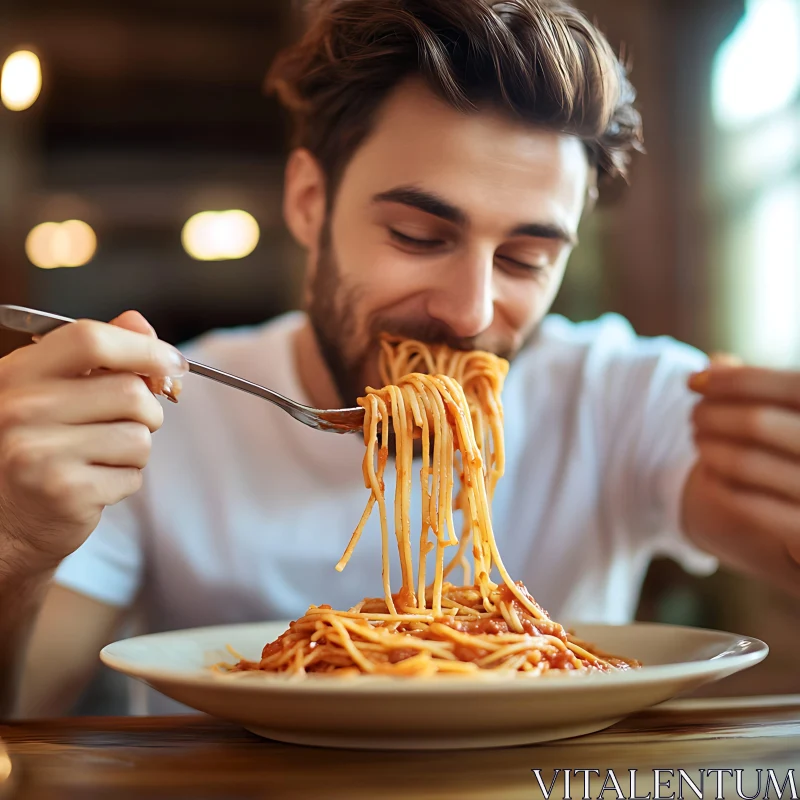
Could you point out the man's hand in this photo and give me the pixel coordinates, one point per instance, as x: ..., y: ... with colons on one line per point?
x: 76, y: 421
x: 743, y: 498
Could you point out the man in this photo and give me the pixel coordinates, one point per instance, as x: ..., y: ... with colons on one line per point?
x: 444, y: 153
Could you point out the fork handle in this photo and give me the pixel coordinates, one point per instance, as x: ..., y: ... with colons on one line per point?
x: 39, y: 323
x: 240, y: 383
x: 26, y: 320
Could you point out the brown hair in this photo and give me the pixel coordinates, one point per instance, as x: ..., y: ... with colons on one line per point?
x: 539, y: 60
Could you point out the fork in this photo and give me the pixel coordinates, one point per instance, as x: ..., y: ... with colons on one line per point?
x: 336, y: 420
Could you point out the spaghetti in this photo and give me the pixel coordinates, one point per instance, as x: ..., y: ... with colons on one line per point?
x: 450, y: 401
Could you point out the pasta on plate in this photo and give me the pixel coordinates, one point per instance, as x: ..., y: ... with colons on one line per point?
x: 447, y: 404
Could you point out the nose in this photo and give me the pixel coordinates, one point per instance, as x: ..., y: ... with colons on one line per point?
x: 464, y: 300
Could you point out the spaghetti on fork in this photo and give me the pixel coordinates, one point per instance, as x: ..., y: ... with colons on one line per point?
x: 450, y: 401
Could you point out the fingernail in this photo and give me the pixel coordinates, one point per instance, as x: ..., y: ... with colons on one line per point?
x: 179, y: 366
x: 721, y: 360
x: 698, y: 382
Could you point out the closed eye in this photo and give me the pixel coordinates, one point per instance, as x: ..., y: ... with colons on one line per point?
x: 521, y: 265
x: 412, y: 241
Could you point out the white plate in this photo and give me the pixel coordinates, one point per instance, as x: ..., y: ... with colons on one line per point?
x: 441, y: 713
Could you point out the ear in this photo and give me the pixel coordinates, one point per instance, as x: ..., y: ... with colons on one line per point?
x: 304, y: 198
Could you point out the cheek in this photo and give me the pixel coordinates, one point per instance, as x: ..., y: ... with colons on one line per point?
x: 388, y: 280
x: 382, y: 275
x: 521, y: 304
x: 550, y: 291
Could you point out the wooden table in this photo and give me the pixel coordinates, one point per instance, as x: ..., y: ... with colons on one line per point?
x: 199, y: 757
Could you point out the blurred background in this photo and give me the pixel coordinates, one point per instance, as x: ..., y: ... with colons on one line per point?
x: 141, y: 166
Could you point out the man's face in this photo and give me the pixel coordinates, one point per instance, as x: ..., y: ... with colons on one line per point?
x: 446, y: 227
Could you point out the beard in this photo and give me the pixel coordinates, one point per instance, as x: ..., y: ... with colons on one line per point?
x: 350, y: 344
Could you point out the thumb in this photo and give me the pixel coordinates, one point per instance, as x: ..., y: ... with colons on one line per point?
x: 130, y: 320
x: 726, y: 360
x: 134, y: 321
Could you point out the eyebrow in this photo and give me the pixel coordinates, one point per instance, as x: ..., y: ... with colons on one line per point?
x: 423, y: 200
x: 435, y: 205
x: 546, y: 230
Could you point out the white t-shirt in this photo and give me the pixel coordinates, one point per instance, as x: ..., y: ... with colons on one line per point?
x: 244, y: 511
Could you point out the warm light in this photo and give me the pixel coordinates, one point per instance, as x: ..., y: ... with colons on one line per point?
x: 220, y: 235
x: 757, y: 68
x: 5, y: 766
x: 21, y: 80
x: 61, y: 244
x: 75, y: 244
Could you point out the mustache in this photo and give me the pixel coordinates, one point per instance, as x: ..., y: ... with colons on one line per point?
x: 428, y: 331
x: 433, y: 332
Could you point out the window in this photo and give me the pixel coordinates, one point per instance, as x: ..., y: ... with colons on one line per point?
x: 756, y: 184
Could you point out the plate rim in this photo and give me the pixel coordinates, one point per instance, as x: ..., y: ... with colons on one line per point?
x: 756, y: 651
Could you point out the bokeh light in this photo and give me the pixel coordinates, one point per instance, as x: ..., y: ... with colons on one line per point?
x: 21, y: 80
x: 220, y: 235
x: 61, y: 244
